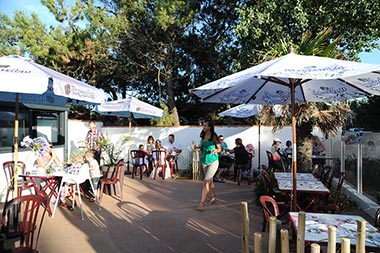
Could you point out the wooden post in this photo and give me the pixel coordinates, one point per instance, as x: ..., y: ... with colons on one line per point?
x: 331, y: 246
x: 301, y: 232
x: 272, y: 235
x: 258, y: 247
x: 345, y: 245
x: 360, y: 236
x: 315, y: 248
x: 245, y: 227
x: 284, y: 241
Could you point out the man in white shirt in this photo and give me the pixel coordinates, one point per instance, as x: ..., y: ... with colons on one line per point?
x: 173, y: 149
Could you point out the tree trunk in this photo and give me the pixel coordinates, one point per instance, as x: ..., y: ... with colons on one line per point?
x: 304, y: 147
x: 171, y: 102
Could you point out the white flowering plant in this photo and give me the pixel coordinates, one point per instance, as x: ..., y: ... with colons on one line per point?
x: 39, y: 145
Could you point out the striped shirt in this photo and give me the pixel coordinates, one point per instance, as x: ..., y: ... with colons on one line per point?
x: 92, y: 139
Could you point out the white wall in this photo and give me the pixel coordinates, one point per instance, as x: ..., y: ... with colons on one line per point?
x: 185, y: 135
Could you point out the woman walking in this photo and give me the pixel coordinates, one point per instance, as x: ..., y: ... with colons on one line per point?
x: 210, y: 147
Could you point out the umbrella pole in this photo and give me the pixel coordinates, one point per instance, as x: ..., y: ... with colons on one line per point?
x: 294, y: 152
x: 259, y: 145
x: 15, y: 146
x: 129, y: 141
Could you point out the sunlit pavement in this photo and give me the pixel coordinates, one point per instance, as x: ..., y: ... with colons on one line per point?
x: 155, y: 216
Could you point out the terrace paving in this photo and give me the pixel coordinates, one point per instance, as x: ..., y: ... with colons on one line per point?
x: 155, y: 216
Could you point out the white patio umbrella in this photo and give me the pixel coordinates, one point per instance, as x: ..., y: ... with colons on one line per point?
x: 293, y: 79
x: 246, y: 111
x: 19, y: 75
x: 129, y: 107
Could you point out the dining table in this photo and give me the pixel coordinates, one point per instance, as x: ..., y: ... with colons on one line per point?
x: 306, y: 183
x: 316, y: 228
x: 53, y: 185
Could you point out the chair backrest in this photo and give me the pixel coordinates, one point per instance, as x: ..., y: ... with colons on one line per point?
x: 159, y: 157
x: 270, y: 207
x: 339, y: 187
x: 326, y: 176
x: 23, y: 213
x: 267, y: 182
x: 9, y: 170
x: 116, y: 175
x: 376, y: 223
x: 138, y: 157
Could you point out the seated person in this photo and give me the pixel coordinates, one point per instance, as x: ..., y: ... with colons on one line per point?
x: 49, y: 159
x: 288, y: 150
x: 223, y: 144
x: 241, y: 159
x: 224, y: 161
x: 159, y: 161
x: 173, y: 149
x: 140, y: 158
x: 319, y: 148
x: 276, y: 149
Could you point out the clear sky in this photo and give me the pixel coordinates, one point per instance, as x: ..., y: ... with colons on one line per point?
x: 29, y: 6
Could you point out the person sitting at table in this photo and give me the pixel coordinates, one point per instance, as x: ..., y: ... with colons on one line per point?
x: 276, y: 149
x: 158, y: 146
x: 319, y: 149
x: 173, y: 148
x: 288, y: 149
x: 49, y: 159
x: 223, y: 144
x: 241, y: 160
x: 149, y: 149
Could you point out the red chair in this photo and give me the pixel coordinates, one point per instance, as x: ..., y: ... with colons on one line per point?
x: 9, y: 172
x: 138, y: 162
x: 270, y: 208
x: 114, y: 180
x: 159, y: 162
x: 22, y: 215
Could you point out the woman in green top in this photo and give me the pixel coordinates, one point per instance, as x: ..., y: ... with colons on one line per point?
x: 210, y: 147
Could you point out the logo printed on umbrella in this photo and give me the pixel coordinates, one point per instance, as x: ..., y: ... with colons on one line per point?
x: 4, y: 68
x: 371, y: 83
x: 331, y: 70
x: 67, y: 89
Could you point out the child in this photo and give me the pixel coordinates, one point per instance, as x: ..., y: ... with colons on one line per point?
x: 94, y: 172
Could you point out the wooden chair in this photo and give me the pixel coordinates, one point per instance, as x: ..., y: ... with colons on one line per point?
x: 334, y: 207
x: 22, y: 215
x: 114, y: 180
x: 22, y: 184
x: 159, y: 162
x: 270, y: 208
x: 138, y: 162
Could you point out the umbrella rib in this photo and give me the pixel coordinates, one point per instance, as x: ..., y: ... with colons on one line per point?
x: 257, y: 91
x: 353, y: 86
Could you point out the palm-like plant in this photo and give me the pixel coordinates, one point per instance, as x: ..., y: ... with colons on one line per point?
x: 329, y: 118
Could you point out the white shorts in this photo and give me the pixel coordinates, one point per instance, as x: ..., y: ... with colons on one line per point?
x: 210, y: 170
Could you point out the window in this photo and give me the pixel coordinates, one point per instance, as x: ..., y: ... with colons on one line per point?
x: 50, y: 124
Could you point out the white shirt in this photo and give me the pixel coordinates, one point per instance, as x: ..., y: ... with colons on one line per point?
x: 172, y: 146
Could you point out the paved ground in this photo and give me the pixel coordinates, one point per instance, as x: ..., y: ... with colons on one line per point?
x: 155, y: 216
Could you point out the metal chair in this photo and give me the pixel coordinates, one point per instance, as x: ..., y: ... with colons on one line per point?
x: 334, y: 207
x: 138, y: 162
x: 114, y: 180
x: 22, y: 185
x: 22, y: 215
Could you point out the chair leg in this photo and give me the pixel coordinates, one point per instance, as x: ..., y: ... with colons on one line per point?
x: 101, y: 191
x: 141, y: 172
x: 163, y: 172
x: 121, y: 192
x: 264, y: 224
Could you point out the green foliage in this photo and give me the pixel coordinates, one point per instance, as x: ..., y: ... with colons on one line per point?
x: 112, y: 151
x: 166, y: 120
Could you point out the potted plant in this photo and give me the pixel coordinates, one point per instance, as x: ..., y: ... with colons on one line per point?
x: 112, y: 152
